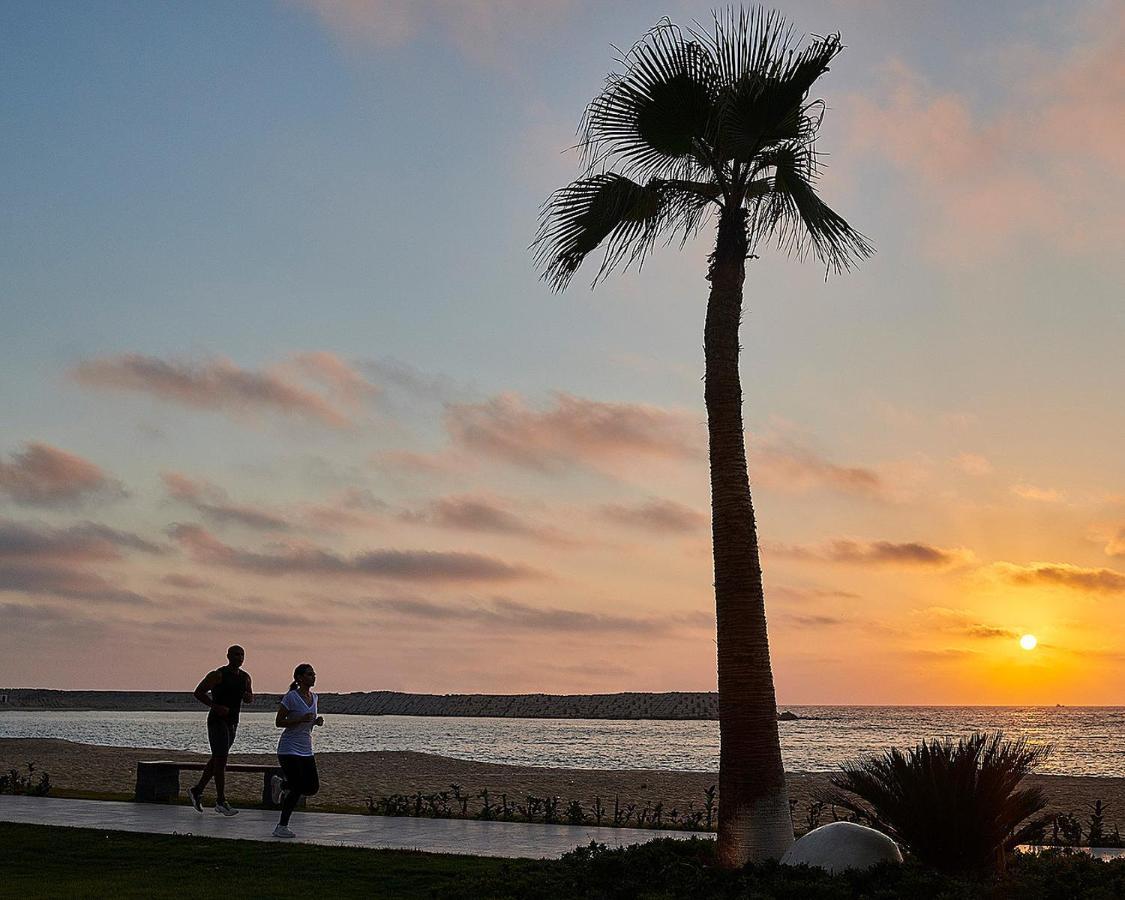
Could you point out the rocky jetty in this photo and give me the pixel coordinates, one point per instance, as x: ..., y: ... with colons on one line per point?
x: 673, y: 705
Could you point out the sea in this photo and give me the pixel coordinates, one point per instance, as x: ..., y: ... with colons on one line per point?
x: 1084, y: 740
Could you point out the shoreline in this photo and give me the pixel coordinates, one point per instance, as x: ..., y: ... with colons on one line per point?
x: 348, y: 778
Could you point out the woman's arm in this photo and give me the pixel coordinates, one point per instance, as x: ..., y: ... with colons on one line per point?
x: 286, y: 719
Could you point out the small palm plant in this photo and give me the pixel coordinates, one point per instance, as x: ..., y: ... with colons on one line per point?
x: 956, y: 806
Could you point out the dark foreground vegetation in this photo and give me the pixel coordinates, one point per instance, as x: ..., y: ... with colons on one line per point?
x: 37, y: 861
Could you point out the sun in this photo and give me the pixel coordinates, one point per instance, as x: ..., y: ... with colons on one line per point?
x: 1029, y: 641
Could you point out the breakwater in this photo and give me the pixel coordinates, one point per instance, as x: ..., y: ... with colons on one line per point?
x: 698, y: 705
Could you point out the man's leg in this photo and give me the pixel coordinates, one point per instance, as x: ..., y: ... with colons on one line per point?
x: 205, y: 776
x: 220, y: 772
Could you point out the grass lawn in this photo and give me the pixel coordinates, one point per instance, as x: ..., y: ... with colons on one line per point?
x: 40, y: 861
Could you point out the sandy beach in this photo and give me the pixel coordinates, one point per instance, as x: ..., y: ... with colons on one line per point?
x: 348, y: 778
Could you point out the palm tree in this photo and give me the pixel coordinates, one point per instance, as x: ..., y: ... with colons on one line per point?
x: 703, y: 123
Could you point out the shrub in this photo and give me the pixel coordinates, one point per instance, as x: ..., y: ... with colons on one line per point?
x: 15, y: 783
x: 956, y: 806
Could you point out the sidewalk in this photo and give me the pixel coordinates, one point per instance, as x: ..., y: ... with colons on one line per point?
x: 464, y: 836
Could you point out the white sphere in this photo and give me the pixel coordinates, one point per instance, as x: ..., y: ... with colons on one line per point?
x: 842, y: 845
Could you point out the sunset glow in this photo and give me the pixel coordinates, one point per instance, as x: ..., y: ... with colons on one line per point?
x: 276, y: 366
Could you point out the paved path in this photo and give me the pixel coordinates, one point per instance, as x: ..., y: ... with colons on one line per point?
x: 468, y: 836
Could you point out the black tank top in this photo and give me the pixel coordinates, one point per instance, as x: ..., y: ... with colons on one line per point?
x: 228, y: 692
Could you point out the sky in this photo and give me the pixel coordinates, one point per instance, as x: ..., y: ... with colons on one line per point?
x: 276, y: 366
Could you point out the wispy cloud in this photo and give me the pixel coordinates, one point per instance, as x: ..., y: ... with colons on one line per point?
x: 86, y: 541
x: 1115, y: 543
x: 483, y: 30
x: 656, y: 515
x: 985, y: 186
x: 45, y: 476
x: 572, y: 431
x: 1039, y: 494
x: 220, y: 385
x: 504, y: 613
x: 973, y: 464
x: 415, y: 383
x: 64, y: 582
x: 962, y: 623
x: 1044, y: 574
x: 353, y: 509
x: 211, y: 501
x: 911, y: 554
x: 482, y: 514
x: 338, y: 375
x: 404, y: 565
x: 185, y: 582
x: 784, y: 464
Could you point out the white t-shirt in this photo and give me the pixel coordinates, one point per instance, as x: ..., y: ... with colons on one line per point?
x: 296, y: 740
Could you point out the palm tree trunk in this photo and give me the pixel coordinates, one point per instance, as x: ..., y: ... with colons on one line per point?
x: 754, y: 817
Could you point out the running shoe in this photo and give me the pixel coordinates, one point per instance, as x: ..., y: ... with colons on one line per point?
x: 282, y: 831
x: 224, y: 809
x: 196, y: 799
x: 277, y: 789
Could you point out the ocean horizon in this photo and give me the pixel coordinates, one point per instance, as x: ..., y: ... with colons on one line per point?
x: 1085, y: 741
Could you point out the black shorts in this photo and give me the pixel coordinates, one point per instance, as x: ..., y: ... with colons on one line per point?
x: 220, y: 735
x: 300, y: 773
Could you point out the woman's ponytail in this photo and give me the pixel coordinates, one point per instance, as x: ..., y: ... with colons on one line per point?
x: 297, y: 672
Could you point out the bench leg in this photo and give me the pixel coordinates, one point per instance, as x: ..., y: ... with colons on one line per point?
x: 157, y: 784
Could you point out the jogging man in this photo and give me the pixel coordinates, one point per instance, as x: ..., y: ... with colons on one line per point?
x: 224, y: 691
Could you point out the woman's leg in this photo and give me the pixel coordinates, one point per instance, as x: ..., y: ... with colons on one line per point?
x: 303, y: 782
x: 288, y: 804
x: 312, y: 777
x: 291, y: 766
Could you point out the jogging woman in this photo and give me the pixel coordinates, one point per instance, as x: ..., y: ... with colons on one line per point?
x: 297, y: 715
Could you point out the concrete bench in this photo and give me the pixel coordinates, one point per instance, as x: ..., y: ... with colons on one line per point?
x: 158, y: 781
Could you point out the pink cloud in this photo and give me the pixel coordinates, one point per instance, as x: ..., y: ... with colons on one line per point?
x: 212, y: 502
x: 973, y: 464
x: 785, y: 465
x: 43, y: 475
x: 1115, y: 545
x: 331, y: 370
x: 355, y: 508
x: 1047, y: 168
x: 504, y: 614
x: 912, y: 554
x: 64, y: 582
x: 405, y: 565
x: 1040, y: 574
x: 485, y: 514
x: 574, y: 431
x: 1041, y: 495
x: 217, y: 385
x: 86, y: 541
x: 657, y: 516
x: 481, y: 29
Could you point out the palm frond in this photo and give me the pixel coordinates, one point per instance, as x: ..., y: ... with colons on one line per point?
x: 797, y: 219
x: 652, y: 118
x: 625, y: 216
x: 765, y: 80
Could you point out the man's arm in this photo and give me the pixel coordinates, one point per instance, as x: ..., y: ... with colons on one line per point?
x: 203, y: 691
x: 248, y: 694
